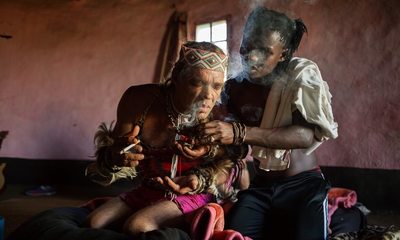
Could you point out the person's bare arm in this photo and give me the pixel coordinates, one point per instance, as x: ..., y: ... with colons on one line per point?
x: 298, y: 135
x: 125, y: 132
x: 203, y: 178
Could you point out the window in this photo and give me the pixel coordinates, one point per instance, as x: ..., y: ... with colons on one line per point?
x: 215, y: 32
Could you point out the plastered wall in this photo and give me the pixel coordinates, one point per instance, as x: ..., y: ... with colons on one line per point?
x: 68, y: 62
x: 66, y: 66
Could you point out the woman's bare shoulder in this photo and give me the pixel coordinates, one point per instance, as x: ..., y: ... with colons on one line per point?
x: 143, y: 93
x: 137, y: 98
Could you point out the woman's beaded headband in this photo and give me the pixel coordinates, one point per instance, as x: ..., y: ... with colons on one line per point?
x: 205, y: 59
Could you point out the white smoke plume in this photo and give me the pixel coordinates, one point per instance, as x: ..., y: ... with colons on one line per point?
x: 235, y: 66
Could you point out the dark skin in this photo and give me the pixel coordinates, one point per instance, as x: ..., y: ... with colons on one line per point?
x: 195, y: 88
x: 200, y: 88
x: 261, y: 67
x: 260, y: 54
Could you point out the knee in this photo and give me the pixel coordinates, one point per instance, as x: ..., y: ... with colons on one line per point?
x: 95, y: 221
x: 139, y: 224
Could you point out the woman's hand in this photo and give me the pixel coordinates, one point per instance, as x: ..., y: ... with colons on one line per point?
x: 192, y: 153
x: 131, y: 157
x: 180, y: 185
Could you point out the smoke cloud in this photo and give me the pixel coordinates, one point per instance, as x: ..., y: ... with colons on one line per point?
x: 235, y: 66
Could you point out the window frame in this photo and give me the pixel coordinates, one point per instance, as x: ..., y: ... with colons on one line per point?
x: 210, y: 20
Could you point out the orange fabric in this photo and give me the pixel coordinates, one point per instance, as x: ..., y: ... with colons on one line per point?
x: 340, y: 197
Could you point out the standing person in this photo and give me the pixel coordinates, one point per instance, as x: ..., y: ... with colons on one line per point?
x: 283, y: 109
x: 154, y: 117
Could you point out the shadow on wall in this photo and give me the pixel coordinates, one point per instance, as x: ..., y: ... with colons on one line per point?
x: 3, y: 135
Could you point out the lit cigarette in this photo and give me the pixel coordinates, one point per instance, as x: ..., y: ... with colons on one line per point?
x: 125, y: 150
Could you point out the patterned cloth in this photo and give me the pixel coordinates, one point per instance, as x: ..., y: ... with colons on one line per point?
x: 199, y: 58
x: 371, y: 232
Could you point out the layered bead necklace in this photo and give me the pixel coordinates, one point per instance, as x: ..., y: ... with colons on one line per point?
x: 179, y: 121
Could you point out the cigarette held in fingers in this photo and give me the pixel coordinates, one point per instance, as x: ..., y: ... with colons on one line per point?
x: 125, y: 150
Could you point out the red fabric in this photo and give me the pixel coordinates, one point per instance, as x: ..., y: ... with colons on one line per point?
x: 158, y: 163
x: 208, y: 224
x: 340, y: 197
x: 208, y: 219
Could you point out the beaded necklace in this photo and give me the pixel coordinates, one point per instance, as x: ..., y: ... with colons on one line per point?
x: 179, y: 120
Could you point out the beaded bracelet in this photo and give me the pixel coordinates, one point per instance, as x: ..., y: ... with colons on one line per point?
x: 213, y: 152
x: 204, y: 180
x: 239, y: 132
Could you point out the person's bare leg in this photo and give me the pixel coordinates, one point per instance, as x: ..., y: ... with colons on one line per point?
x: 111, y: 211
x: 162, y: 214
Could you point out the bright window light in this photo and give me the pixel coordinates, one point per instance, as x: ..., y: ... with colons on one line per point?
x: 218, y: 31
x: 215, y: 32
x: 203, y: 33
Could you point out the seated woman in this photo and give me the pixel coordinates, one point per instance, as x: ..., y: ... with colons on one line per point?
x: 158, y: 123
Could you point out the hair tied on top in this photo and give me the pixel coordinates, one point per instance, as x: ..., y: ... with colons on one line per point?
x: 300, y: 29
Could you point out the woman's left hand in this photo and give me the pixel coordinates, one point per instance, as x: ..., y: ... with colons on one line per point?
x: 180, y: 185
x: 193, y: 153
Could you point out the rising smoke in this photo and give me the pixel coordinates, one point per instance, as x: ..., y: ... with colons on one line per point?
x: 235, y: 70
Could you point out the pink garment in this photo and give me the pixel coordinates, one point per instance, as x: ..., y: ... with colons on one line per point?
x: 340, y: 197
x: 208, y: 219
x: 208, y: 224
x: 189, y: 203
x: 145, y: 196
